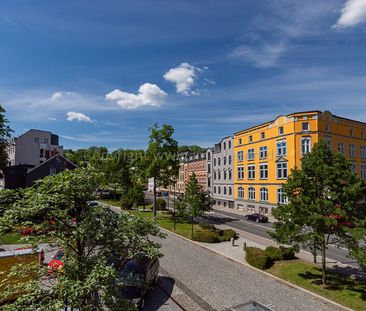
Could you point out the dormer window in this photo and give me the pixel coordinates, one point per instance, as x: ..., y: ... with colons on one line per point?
x: 305, y: 126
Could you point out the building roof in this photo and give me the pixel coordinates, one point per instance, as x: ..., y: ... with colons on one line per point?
x: 50, y: 159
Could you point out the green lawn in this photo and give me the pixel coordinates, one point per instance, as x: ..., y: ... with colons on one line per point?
x: 341, y: 289
x: 165, y: 221
x: 10, y: 238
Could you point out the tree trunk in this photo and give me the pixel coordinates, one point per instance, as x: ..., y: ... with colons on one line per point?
x: 154, y: 200
x: 324, y: 266
x: 314, y: 251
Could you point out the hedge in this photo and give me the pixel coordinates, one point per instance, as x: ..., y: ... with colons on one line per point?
x: 160, y: 204
x: 206, y: 236
x: 258, y: 258
x: 227, y: 234
x: 281, y: 253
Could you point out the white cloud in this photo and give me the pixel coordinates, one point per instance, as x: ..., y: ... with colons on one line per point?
x: 353, y: 13
x: 77, y: 116
x: 183, y: 77
x: 148, y: 95
x: 60, y: 95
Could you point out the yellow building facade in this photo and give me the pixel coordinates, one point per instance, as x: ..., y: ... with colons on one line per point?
x: 265, y: 154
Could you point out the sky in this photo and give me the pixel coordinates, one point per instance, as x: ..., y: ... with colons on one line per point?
x: 102, y: 72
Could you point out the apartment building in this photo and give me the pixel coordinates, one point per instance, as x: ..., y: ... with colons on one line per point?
x: 209, y: 163
x: 195, y: 163
x: 222, y: 173
x: 265, y: 154
x: 33, y: 148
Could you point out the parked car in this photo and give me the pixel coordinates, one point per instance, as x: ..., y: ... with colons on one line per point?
x: 56, y: 262
x: 138, y: 275
x: 256, y: 217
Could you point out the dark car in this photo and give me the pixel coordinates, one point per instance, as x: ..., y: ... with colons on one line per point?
x: 138, y: 275
x: 257, y: 217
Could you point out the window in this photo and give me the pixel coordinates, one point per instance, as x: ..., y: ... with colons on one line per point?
x: 218, y: 161
x: 224, y: 190
x: 263, y: 171
x: 251, y: 193
x: 209, y: 156
x: 209, y: 168
x: 230, y: 174
x: 251, y: 208
x: 354, y: 167
x: 208, y: 182
x: 231, y: 191
x: 250, y: 154
x: 229, y: 159
x: 251, y: 171
x: 282, y: 170
x: 219, y: 175
x: 363, y: 152
x: 240, y: 141
x: 363, y: 171
x: 281, y: 197
x: 214, y: 189
x: 250, y: 138
x: 352, y: 151
x: 328, y: 141
x: 341, y: 148
x: 362, y: 135
x: 263, y: 135
x: 229, y: 144
x: 219, y: 189
x: 263, y: 152
x: 351, y: 133
x: 214, y: 175
x: 41, y: 153
x: 214, y: 161
x: 264, y: 194
x: 36, y: 139
x: 305, y: 126
x: 225, y: 160
x: 225, y: 175
x: 263, y: 210
x: 281, y: 148
x: 280, y: 130
x: 224, y: 146
x: 241, y: 193
x: 240, y: 156
x: 46, y: 140
x: 240, y: 172
x: 305, y: 145
x: 327, y: 127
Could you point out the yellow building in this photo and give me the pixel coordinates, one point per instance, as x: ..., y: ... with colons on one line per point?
x: 265, y: 154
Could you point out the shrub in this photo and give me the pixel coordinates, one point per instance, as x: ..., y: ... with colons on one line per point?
x: 160, y: 204
x: 258, y: 258
x: 206, y: 226
x: 274, y: 253
x: 288, y: 253
x: 227, y: 234
x: 206, y: 236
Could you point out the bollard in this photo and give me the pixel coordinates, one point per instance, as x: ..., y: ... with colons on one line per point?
x: 232, y: 242
x: 245, y: 246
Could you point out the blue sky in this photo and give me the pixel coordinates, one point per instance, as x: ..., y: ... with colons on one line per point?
x: 102, y: 72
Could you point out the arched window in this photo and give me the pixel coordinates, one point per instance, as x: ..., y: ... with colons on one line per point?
x: 214, y: 189
x: 281, y: 197
x: 264, y: 194
x: 224, y: 190
x: 231, y: 191
x: 241, y: 193
x: 251, y: 193
x: 219, y: 189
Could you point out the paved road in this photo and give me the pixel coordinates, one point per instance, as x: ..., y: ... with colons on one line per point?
x: 238, y: 222
x: 215, y: 282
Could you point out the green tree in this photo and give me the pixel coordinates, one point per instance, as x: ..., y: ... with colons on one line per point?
x: 195, y: 201
x: 5, y: 136
x: 322, y: 195
x: 161, y: 157
x: 96, y: 243
x: 133, y: 197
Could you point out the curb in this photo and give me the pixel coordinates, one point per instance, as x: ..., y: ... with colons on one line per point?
x: 323, y: 299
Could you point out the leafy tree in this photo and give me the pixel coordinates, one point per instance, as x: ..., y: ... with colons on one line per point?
x: 8, y: 198
x: 133, y: 197
x: 96, y: 243
x: 161, y: 157
x: 194, y: 202
x: 5, y: 136
x: 322, y: 195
